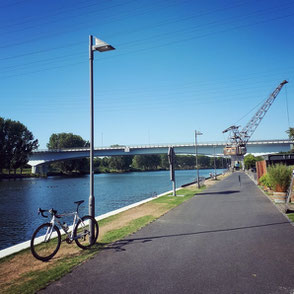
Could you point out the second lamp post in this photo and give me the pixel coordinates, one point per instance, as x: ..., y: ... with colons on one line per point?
x: 196, y: 153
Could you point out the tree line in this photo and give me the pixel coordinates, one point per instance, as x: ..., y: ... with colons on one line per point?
x: 155, y: 162
x: 16, y: 144
x: 129, y: 163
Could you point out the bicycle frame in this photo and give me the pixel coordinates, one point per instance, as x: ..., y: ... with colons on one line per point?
x: 69, y: 232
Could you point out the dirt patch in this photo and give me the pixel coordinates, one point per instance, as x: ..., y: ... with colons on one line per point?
x: 126, y: 217
x: 208, y: 182
x: 211, y: 182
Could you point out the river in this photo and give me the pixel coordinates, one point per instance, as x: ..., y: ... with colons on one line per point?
x: 21, y: 198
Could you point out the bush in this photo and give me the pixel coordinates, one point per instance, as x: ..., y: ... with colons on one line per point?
x: 265, y: 181
x: 250, y: 161
x: 279, y: 176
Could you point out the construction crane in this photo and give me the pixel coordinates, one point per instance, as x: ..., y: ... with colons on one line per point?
x: 236, y: 145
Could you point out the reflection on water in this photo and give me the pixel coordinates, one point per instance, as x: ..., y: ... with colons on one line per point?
x: 20, y: 199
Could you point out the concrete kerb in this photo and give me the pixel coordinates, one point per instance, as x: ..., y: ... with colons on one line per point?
x: 24, y: 245
x: 279, y: 207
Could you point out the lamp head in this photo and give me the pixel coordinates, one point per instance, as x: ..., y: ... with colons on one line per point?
x: 101, y: 46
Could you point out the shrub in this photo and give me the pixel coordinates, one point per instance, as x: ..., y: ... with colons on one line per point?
x: 279, y: 177
x: 265, y: 181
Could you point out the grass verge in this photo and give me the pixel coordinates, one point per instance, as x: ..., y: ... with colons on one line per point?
x: 291, y: 216
x: 21, y: 273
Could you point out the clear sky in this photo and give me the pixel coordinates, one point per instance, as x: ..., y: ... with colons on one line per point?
x: 179, y: 65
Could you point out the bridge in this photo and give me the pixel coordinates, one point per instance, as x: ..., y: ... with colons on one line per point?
x: 40, y: 159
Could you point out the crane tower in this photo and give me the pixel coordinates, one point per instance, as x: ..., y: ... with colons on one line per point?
x: 236, y: 145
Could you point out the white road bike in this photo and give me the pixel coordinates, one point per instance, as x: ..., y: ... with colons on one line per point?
x: 46, y: 239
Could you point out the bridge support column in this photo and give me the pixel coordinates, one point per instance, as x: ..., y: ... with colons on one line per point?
x: 40, y: 170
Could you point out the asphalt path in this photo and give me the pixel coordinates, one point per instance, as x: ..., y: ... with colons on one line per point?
x: 228, y: 239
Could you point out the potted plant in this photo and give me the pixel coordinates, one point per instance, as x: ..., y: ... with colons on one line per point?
x: 279, y: 176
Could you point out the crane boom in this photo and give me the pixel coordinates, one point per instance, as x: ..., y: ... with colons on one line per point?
x: 251, y: 126
x: 236, y: 145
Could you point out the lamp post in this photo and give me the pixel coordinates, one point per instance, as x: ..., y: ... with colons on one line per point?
x: 214, y: 163
x: 196, y: 153
x: 101, y: 47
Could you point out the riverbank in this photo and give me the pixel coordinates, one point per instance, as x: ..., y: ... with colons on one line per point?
x: 28, y: 174
x: 21, y: 273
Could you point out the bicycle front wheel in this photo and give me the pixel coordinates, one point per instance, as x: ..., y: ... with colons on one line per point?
x: 82, y: 232
x: 45, y: 242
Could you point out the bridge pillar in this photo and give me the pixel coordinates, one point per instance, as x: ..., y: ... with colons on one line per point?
x: 41, y: 169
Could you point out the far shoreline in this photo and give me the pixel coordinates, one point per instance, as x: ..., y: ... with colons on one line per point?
x: 77, y: 175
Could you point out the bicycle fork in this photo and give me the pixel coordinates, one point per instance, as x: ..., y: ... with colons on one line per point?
x: 49, y: 231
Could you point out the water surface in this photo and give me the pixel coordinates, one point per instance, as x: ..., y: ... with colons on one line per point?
x: 20, y: 199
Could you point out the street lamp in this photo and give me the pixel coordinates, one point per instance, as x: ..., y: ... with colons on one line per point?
x: 196, y: 152
x: 100, y: 46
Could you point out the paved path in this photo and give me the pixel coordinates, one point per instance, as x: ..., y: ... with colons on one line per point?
x: 228, y: 239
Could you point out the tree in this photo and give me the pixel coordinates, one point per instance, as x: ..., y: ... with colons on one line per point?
x: 16, y: 144
x: 146, y: 162
x: 66, y: 140
x: 121, y: 163
x: 2, y: 150
x: 164, y: 161
x: 203, y: 161
x: 250, y: 160
x: 69, y: 140
x: 185, y: 161
x: 290, y: 133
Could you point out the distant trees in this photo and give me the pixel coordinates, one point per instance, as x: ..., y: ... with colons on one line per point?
x: 290, y: 133
x: 250, y: 160
x: 16, y: 144
x: 69, y: 140
x: 146, y: 162
x: 120, y: 163
x: 154, y: 162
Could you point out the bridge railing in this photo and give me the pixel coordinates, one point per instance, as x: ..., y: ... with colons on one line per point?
x: 165, y: 145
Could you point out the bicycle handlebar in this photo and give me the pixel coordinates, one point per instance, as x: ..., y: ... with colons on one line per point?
x: 54, y: 212
x: 42, y: 212
x: 51, y: 211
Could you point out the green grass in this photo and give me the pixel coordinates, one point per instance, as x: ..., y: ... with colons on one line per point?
x: 39, y: 279
x: 132, y: 227
x: 108, y: 220
x: 291, y: 216
x: 34, y: 281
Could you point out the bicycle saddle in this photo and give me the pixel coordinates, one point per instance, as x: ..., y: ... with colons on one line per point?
x: 79, y: 202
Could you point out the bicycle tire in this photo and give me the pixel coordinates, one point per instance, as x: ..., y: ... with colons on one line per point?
x: 82, y: 232
x: 45, y: 250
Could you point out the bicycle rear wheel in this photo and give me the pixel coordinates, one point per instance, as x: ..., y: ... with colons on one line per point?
x: 45, y: 242
x: 82, y: 232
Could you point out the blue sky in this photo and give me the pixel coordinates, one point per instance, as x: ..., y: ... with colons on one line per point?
x: 178, y: 66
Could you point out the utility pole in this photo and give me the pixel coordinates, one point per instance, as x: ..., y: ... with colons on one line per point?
x: 196, y: 155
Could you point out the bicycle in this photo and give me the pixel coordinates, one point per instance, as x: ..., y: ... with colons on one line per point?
x: 46, y: 239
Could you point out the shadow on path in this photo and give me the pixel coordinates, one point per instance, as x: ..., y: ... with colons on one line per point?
x: 118, y: 246
x: 219, y: 192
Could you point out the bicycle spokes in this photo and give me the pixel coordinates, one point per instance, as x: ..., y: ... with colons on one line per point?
x: 45, y: 242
